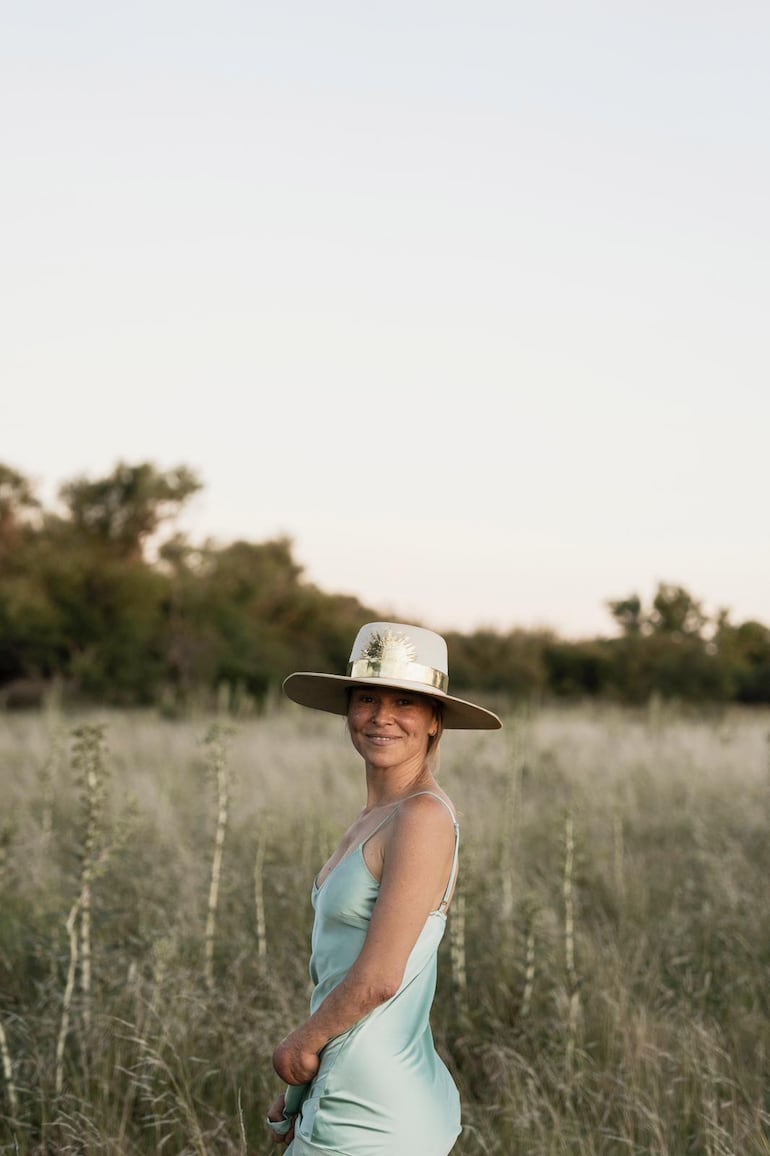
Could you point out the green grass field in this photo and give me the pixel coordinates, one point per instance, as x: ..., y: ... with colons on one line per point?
x: 604, y: 986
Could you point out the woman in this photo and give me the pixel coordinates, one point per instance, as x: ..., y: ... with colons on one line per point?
x: 363, y: 1073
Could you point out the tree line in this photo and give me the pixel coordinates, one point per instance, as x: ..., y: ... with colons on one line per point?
x: 102, y: 599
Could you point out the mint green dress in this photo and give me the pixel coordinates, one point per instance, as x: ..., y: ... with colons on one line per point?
x: 381, y: 1089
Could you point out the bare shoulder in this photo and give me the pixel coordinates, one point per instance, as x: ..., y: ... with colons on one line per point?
x: 418, y: 856
x: 427, y: 813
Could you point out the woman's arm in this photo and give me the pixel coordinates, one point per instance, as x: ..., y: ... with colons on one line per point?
x: 416, y: 863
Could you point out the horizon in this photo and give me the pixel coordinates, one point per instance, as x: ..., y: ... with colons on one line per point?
x: 182, y: 522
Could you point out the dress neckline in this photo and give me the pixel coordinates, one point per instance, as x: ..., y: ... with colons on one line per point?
x: 359, y: 847
x: 357, y: 850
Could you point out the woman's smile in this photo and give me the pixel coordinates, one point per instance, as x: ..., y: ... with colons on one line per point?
x: 382, y: 739
x: 391, y: 722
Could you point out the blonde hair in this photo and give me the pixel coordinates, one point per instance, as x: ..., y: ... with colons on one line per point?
x: 432, y: 756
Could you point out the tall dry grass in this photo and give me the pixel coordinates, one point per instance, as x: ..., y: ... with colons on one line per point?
x: 604, y: 984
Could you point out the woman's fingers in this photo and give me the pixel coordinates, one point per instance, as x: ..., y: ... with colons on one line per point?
x: 275, y: 1112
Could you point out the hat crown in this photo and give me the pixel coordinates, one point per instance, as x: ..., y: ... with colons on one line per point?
x: 412, y: 656
x: 389, y: 643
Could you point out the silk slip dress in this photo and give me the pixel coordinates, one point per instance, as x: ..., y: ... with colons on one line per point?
x: 381, y: 1089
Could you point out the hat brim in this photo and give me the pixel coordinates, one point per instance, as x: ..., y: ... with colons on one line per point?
x: 329, y: 692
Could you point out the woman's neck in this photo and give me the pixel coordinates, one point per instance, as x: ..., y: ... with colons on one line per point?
x: 384, y: 788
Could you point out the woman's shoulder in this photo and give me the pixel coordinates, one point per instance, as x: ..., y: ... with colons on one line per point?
x: 423, y: 841
x: 430, y: 808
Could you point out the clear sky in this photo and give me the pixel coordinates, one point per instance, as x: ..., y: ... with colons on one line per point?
x: 469, y: 300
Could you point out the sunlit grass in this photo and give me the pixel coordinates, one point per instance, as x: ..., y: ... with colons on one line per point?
x: 603, y: 989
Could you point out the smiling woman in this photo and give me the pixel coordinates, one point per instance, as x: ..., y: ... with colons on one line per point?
x: 387, y: 725
x: 364, y: 1077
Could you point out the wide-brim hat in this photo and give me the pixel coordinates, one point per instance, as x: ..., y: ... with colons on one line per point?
x: 399, y: 657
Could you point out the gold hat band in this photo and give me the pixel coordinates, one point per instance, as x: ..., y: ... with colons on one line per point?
x: 403, y: 671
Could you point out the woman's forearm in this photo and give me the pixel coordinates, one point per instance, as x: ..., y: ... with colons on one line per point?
x: 348, y: 1003
x: 296, y: 1057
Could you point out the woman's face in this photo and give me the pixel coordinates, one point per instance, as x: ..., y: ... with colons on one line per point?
x: 390, y: 727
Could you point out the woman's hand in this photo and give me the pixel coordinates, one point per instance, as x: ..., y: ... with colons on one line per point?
x: 276, y: 1113
x: 293, y: 1061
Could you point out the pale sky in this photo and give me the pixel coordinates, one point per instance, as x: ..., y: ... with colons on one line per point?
x: 469, y: 300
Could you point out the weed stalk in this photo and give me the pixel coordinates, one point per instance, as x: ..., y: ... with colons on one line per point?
x: 216, y: 741
x: 10, y: 1087
x: 573, y: 986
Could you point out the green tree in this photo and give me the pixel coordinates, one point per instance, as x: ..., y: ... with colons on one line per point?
x: 243, y: 615
x: 676, y: 613
x: 126, y: 508
x: 663, y: 649
x: 28, y: 624
x: 109, y: 613
x: 17, y: 502
x: 745, y: 652
x: 577, y: 669
x: 77, y: 597
x: 512, y: 664
x: 627, y: 612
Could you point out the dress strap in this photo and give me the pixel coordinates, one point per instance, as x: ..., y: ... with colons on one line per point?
x: 382, y: 822
x: 456, y: 857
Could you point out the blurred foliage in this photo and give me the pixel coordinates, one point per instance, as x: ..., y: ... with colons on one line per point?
x: 104, y: 600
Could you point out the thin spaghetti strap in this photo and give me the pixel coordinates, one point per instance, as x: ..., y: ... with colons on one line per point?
x: 381, y: 823
x: 387, y: 819
x: 433, y: 795
x: 456, y: 857
x: 390, y: 814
